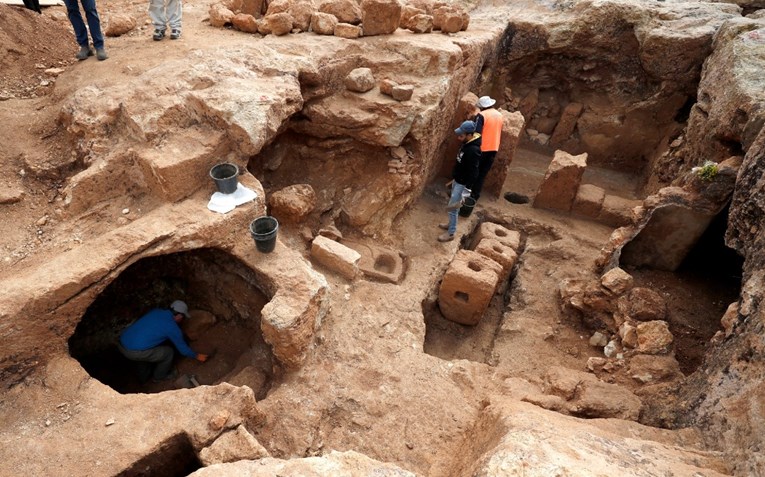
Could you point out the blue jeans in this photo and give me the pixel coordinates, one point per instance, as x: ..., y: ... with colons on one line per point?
x: 457, y: 191
x: 94, y: 23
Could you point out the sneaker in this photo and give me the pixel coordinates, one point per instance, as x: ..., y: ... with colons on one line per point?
x: 175, y: 33
x: 444, y: 226
x: 446, y: 237
x: 101, y: 54
x: 158, y: 34
x: 84, y: 52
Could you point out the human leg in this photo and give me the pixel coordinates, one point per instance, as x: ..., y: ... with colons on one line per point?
x: 484, y: 166
x: 174, y: 17
x: 94, y: 23
x: 157, y: 15
x: 457, y: 190
x: 73, y: 12
x: 161, y: 356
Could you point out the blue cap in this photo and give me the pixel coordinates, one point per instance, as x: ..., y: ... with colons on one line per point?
x: 468, y: 127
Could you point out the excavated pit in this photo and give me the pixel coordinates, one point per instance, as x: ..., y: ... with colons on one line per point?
x: 698, y: 292
x: 173, y: 458
x: 225, y: 301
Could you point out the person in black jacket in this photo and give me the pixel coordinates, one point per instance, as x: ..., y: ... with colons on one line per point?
x: 463, y: 176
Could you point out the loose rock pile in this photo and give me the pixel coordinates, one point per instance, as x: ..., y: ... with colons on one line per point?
x: 630, y: 322
x: 343, y: 18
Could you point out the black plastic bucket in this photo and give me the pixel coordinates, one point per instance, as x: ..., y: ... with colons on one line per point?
x: 263, y: 231
x: 467, y: 207
x: 226, y: 177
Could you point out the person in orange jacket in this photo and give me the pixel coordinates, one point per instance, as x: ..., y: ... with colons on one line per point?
x: 489, y: 126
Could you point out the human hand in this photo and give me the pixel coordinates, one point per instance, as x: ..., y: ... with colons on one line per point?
x: 202, y: 357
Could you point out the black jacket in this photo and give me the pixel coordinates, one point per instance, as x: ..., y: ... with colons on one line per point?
x: 466, y: 169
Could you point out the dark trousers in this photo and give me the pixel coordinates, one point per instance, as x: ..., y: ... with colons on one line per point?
x: 94, y: 23
x: 33, y: 5
x: 160, y: 356
x: 484, y: 165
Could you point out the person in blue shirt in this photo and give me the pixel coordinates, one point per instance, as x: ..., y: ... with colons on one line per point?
x: 145, y: 341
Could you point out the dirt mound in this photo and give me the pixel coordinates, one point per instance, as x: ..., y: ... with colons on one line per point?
x: 30, y: 44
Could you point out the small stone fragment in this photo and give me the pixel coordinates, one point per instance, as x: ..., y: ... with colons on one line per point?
x: 617, y: 280
x: 110, y: 422
x: 598, y: 339
x: 360, y: 80
x: 386, y: 86
x: 220, y: 16
x: 402, y: 92
x: 323, y: 23
x: 346, y: 30
x: 279, y: 23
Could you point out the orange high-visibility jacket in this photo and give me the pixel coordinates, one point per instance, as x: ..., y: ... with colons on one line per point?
x: 492, y: 130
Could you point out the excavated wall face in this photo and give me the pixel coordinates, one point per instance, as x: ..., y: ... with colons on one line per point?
x: 611, y: 79
x: 225, y: 301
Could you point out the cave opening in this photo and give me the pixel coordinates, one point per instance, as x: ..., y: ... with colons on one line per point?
x: 225, y: 302
x: 698, y: 291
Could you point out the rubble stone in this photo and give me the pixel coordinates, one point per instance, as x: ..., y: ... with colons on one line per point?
x: 598, y: 339
x: 654, y: 337
x: 346, y: 11
x: 386, y: 86
x: 232, y: 446
x: 587, y: 396
x: 251, y: 7
x: 588, y: 201
x: 643, y: 304
x: 302, y: 12
x: 449, y: 20
x: 402, y: 92
x: 118, y: 24
x: 566, y: 123
x: 407, y: 13
x: 617, y: 281
x: 323, y: 23
x: 279, y: 23
x: 245, y: 23
x: 656, y: 367
x: 360, y: 80
x: 380, y: 17
x: 331, y: 232
x: 220, y: 16
x: 346, y: 30
x: 468, y: 287
x: 278, y: 6
x: 561, y: 182
x: 628, y: 335
x: 421, y: 23
x: 293, y: 203
x: 336, y: 257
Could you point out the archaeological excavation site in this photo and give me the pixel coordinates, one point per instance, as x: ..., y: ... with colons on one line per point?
x: 263, y: 248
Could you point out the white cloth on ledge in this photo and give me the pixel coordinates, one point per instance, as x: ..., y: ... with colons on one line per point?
x: 225, y: 203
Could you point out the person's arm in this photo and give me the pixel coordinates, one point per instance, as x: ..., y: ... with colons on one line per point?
x: 176, y: 336
x: 479, y: 123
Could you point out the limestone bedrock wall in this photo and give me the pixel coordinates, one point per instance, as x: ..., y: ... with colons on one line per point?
x: 40, y: 306
x: 341, y: 141
x: 726, y: 395
x: 632, y: 65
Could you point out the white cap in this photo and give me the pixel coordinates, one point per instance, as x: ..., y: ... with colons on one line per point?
x: 485, y: 102
x: 180, y: 307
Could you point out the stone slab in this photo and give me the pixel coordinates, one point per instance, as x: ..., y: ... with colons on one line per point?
x: 588, y: 201
x: 561, y: 182
x: 336, y: 256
